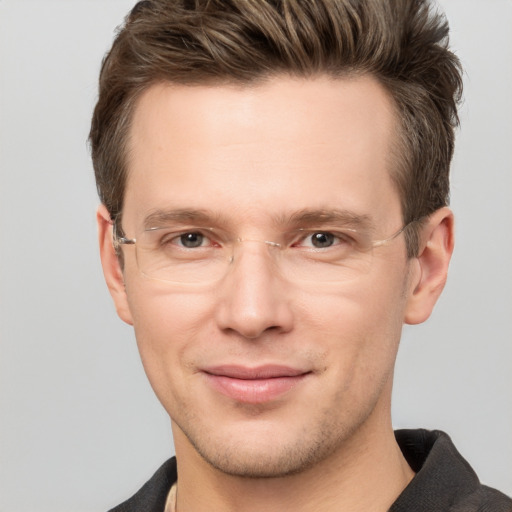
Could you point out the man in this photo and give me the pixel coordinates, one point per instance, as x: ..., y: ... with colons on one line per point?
x: 274, y: 187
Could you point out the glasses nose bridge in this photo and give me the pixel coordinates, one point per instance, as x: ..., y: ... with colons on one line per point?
x: 239, y: 241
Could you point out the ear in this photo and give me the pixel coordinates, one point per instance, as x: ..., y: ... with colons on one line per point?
x: 111, y: 267
x: 429, y: 277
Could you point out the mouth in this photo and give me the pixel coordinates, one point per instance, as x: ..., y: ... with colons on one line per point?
x: 254, y: 385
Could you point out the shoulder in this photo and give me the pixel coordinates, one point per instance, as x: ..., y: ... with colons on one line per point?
x: 484, y: 499
x: 444, y: 480
x: 152, y: 495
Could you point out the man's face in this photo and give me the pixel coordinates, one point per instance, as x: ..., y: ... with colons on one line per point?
x: 262, y: 374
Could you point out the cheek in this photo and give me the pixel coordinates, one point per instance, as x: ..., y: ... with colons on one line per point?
x: 359, y: 326
x: 166, y: 327
x: 370, y: 306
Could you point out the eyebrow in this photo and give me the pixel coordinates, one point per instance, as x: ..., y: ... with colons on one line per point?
x: 339, y: 217
x: 158, y: 217
x: 301, y: 218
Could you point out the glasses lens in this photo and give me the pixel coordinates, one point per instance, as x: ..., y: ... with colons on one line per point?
x: 197, y: 256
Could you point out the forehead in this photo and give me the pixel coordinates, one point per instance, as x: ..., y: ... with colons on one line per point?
x: 281, y: 145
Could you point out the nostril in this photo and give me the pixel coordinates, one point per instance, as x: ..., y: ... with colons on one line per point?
x: 255, y: 332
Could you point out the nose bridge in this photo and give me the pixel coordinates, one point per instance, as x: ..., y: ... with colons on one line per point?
x: 253, y: 297
x: 254, y: 246
x: 256, y: 263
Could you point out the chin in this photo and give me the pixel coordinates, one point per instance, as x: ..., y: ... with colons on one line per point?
x: 270, y: 462
x: 267, y: 452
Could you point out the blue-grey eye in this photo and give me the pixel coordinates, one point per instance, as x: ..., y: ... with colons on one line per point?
x: 322, y: 239
x: 191, y: 240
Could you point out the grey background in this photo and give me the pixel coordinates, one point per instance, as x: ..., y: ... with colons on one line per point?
x: 79, y: 426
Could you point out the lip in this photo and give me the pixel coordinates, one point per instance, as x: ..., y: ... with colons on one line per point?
x: 255, y: 385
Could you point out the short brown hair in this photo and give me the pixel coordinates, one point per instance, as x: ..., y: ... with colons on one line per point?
x: 402, y: 43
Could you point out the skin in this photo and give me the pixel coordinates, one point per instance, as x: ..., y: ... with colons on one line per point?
x: 251, y: 155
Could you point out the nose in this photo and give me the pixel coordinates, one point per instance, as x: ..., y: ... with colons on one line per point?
x: 253, y: 299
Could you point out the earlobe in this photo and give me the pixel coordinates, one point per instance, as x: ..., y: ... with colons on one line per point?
x: 111, y: 267
x: 436, y: 247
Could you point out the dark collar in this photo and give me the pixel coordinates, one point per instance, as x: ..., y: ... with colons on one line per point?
x: 444, y: 481
x: 152, y: 495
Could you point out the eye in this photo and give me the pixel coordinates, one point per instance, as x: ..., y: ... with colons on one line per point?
x: 321, y: 240
x: 170, y: 239
x: 191, y: 240
x: 180, y: 241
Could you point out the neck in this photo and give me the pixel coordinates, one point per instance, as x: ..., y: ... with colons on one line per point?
x: 367, y: 473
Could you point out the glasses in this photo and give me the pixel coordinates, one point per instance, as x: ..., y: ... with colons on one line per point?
x: 201, y: 255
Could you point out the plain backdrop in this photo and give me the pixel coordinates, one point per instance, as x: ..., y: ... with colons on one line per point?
x: 80, y: 429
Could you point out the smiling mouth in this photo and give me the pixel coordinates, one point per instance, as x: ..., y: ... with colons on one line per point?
x: 254, y: 385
